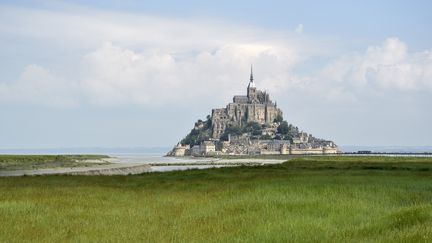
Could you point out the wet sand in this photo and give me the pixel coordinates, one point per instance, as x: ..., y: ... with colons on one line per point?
x: 120, y: 166
x: 109, y: 169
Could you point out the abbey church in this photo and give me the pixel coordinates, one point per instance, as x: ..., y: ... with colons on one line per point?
x: 256, y: 106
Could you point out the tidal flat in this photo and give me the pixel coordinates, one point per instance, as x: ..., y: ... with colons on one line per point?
x: 306, y: 199
x: 34, y: 162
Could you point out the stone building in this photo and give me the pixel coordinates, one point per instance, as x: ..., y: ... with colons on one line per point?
x: 205, y: 148
x: 179, y: 150
x: 208, y: 147
x: 195, y: 150
x: 255, y: 106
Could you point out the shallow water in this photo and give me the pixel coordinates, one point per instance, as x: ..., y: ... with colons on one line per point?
x: 147, y: 159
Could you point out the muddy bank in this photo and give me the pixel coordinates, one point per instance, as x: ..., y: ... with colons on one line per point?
x: 132, y: 165
x: 139, y: 169
x: 111, y: 169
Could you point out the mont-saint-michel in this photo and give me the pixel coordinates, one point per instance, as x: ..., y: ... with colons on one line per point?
x: 327, y: 139
x: 251, y: 124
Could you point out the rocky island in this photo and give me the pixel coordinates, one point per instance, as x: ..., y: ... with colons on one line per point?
x: 251, y: 124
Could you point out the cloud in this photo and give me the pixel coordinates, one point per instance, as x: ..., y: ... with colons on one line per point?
x: 385, y: 68
x: 299, y: 29
x: 145, y: 60
x: 39, y: 86
x: 113, y: 75
x: 87, y: 28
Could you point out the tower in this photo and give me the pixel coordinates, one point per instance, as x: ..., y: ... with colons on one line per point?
x: 251, y: 89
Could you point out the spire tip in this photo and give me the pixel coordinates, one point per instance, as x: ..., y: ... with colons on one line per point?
x: 251, y: 74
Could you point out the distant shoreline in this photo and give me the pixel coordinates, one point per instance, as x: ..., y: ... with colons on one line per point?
x: 124, y: 166
x: 160, y: 151
x: 32, y: 165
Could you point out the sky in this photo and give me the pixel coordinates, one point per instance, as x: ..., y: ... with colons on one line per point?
x: 140, y: 73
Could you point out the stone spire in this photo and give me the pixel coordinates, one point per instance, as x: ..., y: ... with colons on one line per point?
x: 251, y: 75
x: 251, y: 81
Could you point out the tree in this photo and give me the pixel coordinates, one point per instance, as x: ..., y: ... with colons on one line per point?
x: 196, y: 136
x: 233, y: 130
x: 283, y: 128
x: 208, y: 122
x: 256, y: 132
x: 266, y: 137
x: 252, y: 127
x: 198, y: 133
x: 278, y: 118
x: 288, y: 137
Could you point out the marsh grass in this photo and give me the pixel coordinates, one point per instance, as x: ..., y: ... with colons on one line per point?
x: 29, y: 162
x: 310, y: 199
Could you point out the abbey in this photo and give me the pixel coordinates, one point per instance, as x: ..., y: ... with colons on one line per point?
x: 256, y: 106
x: 250, y: 124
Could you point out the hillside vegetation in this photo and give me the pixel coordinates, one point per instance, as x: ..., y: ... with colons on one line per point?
x: 203, y: 129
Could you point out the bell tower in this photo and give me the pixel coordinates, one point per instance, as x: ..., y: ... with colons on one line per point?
x: 251, y: 89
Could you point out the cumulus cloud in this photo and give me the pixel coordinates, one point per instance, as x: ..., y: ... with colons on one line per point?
x: 146, y: 60
x: 114, y: 75
x: 38, y: 85
x: 387, y: 67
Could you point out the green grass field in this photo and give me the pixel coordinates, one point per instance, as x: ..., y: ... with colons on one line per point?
x: 309, y: 199
x: 31, y: 162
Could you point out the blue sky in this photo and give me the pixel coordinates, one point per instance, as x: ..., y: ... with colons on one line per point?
x: 121, y: 73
